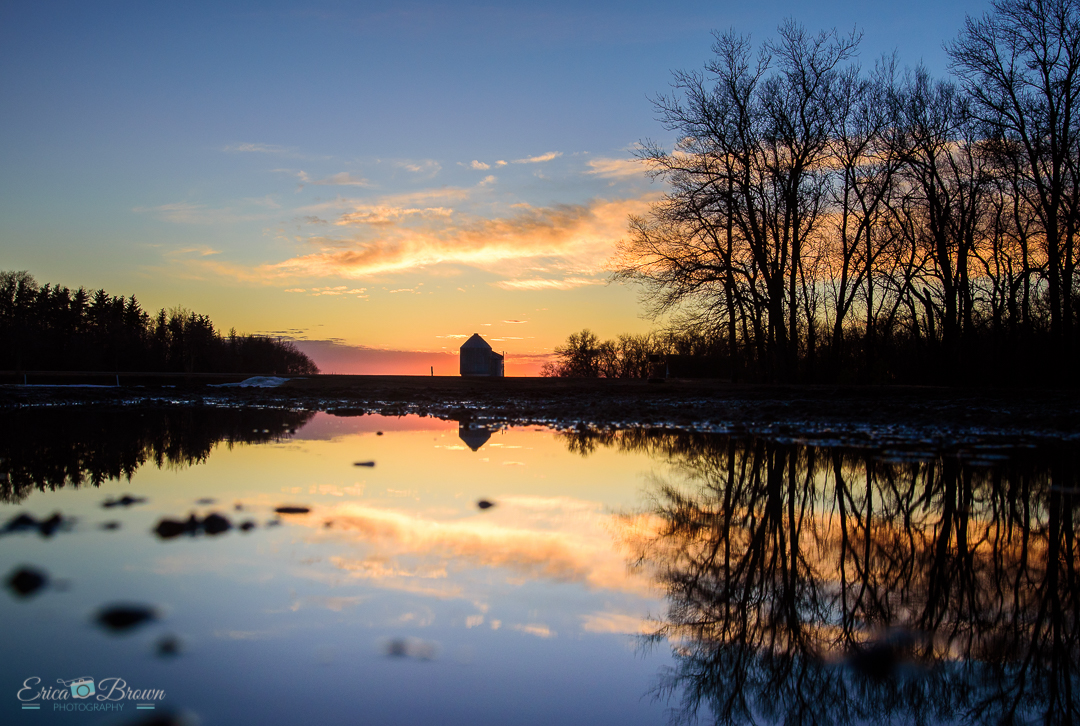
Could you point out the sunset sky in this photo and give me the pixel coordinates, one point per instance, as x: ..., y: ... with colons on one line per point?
x: 379, y: 179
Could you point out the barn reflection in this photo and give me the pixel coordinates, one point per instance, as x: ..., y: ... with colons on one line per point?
x: 815, y: 585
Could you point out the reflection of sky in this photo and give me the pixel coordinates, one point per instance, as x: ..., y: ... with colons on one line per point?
x: 520, y: 613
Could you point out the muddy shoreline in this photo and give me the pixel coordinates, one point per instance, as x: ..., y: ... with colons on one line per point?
x: 905, y: 412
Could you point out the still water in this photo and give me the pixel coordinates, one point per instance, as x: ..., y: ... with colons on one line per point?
x: 254, y: 566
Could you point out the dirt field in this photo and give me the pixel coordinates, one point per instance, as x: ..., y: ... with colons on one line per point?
x: 701, y: 404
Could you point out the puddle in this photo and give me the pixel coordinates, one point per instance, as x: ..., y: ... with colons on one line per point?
x: 249, y: 566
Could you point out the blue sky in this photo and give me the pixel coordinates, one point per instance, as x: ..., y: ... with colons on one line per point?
x: 333, y: 169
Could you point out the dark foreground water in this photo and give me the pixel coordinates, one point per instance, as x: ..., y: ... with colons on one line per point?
x: 253, y: 566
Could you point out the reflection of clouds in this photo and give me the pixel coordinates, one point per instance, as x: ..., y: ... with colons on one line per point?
x: 560, y: 539
x: 537, y: 629
x: 245, y: 634
x: 336, y: 604
x: 604, y: 622
x: 403, y: 580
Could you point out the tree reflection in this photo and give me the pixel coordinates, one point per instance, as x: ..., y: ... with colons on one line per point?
x: 818, y: 585
x: 44, y: 449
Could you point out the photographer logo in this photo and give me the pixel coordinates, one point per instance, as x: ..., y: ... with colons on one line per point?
x: 86, y: 694
x: 80, y: 687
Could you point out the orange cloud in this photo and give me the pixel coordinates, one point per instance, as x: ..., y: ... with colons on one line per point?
x: 558, y: 247
x: 616, y: 168
x: 396, y: 237
x: 538, y: 159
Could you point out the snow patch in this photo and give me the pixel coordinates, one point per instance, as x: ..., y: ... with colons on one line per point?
x: 255, y: 382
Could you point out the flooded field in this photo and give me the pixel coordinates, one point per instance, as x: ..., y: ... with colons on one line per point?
x: 224, y: 566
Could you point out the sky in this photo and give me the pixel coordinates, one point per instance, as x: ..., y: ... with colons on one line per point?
x: 377, y: 181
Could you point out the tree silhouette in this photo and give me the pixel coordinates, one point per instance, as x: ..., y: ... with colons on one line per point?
x: 53, y: 328
x: 894, y: 227
x: 817, y: 585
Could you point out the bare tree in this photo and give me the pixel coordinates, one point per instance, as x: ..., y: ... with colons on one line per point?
x: 748, y: 190
x: 1020, y: 64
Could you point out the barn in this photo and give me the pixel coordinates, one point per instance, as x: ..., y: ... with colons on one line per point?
x: 478, y: 359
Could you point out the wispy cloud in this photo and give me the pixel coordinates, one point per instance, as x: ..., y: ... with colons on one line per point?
x: 423, y: 198
x: 257, y: 148
x: 479, y: 165
x: 338, y: 290
x: 428, y: 167
x: 200, y: 251
x: 538, y: 159
x: 568, y: 283
x: 518, y: 322
x: 386, y: 214
x: 616, y: 168
x: 190, y: 213
x: 343, y: 178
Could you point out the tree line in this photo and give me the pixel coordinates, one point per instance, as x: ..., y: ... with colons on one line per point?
x: 51, y: 327
x: 829, y: 223
x: 644, y: 355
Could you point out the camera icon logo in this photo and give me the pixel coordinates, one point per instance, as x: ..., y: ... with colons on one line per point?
x: 82, y: 688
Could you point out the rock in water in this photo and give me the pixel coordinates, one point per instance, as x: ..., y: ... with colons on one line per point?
x: 26, y: 581
x: 169, y: 528
x: 168, y: 646
x: 50, y: 525
x: 125, y: 501
x: 121, y: 618
x: 21, y: 523
x: 216, y: 524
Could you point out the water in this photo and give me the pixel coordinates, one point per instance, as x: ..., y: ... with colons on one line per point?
x: 617, y: 577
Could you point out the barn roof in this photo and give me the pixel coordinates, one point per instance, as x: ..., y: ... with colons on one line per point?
x: 476, y: 342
